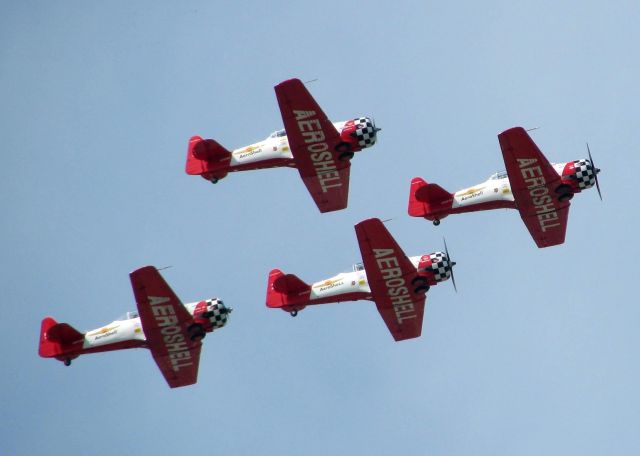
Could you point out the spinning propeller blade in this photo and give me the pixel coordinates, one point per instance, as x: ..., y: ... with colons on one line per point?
x: 595, y: 172
x: 452, y: 263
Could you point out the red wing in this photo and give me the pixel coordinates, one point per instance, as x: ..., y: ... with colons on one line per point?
x: 313, y: 140
x: 389, y: 273
x: 165, y: 322
x: 533, y: 184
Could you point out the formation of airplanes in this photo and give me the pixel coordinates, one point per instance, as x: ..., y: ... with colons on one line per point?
x: 322, y: 151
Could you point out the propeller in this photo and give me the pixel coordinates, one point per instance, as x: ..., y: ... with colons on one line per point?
x: 374, y: 125
x: 452, y: 263
x: 595, y: 172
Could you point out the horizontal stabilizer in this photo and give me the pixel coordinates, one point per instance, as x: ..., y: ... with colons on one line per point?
x: 64, y: 334
x: 204, y: 154
x: 289, y: 284
x: 432, y: 194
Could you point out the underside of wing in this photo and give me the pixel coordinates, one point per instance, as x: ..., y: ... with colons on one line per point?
x: 329, y: 191
x: 390, y: 273
x: 315, y: 145
x: 167, y: 326
x: 536, y: 188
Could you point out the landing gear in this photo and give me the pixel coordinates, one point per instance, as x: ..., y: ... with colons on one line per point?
x: 67, y: 362
x: 345, y: 156
x: 214, y: 180
x: 436, y: 222
x: 418, y: 281
x: 421, y: 289
x: 344, y: 149
x: 565, y: 192
x: 293, y: 313
x: 196, y: 332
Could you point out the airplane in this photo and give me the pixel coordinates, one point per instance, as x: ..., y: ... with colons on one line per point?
x: 396, y: 284
x: 541, y: 191
x: 173, y: 332
x: 320, y: 150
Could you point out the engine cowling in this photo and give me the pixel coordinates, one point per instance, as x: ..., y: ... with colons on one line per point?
x: 435, y: 267
x: 579, y: 174
x: 212, y: 314
x: 360, y: 133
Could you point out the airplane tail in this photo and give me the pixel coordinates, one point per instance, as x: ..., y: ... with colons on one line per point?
x: 57, y: 339
x: 283, y: 290
x: 207, y: 158
x: 428, y: 200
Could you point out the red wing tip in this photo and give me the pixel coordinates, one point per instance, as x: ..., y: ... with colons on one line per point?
x: 143, y: 269
x: 289, y: 82
x: 512, y: 130
x: 369, y: 222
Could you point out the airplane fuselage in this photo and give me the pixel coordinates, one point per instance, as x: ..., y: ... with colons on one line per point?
x: 494, y: 193
x: 271, y: 152
x: 126, y: 332
x: 346, y: 286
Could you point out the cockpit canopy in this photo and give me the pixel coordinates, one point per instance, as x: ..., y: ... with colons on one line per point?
x: 358, y: 267
x: 499, y: 175
x: 278, y: 134
x: 128, y: 316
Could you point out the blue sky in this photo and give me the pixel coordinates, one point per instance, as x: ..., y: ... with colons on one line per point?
x: 536, y: 353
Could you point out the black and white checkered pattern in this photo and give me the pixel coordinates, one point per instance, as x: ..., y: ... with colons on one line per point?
x: 585, y: 174
x: 365, y: 132
x: 441, y: 266
x: 219, y: 311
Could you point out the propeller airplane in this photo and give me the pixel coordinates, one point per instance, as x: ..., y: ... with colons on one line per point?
x: 173, y: 332
x: 396, y: 283
x: 320, y: 150
x: 541, y: 191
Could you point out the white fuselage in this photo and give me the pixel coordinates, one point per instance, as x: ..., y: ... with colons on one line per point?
x: 124, y: 330
x: 494, y: 189
x: 347, y: 283
x: 276, y: 146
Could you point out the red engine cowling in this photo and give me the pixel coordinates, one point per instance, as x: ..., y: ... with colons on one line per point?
x: 435, y: 267
x: 212, y: 314
x: 579, y: 175
x: 359, y: 133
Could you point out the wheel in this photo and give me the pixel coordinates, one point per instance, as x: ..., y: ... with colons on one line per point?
x: 563, y: 189
x: 436, y: 222
x: 344, y: 156
x: 421, y: 289
x: 196, y: 332
x: 67, y: 362
x: 343, y: 147
x: 565, y: 197
x: 214, y: 180
x: 418, y: 281
x: 294, y: 313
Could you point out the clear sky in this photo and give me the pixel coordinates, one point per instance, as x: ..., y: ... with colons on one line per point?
x: 536, y: 354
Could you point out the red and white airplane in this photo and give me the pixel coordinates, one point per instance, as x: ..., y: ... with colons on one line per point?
x: 321, y: 150
x: 172, y: 331
x: 541, y: 191
x: 397, y: 284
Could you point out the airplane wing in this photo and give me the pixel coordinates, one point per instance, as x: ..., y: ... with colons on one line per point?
x: 165, y: 322
x: 389, y: 273
x: 313, y: 140
x: 533, y: 184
